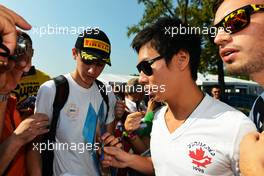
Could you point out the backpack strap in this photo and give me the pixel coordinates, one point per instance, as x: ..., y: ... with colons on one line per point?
x: 103, y: 92
x: 258, y: 114
x: 61, y: 96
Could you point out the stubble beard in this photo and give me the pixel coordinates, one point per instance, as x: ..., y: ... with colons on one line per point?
x: 254, y: 65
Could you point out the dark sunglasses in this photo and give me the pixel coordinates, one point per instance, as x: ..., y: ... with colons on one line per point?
x: 239, y: 19
x: 145, y: 66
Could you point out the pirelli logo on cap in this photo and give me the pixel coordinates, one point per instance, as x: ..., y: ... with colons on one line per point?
x: 97, y: 44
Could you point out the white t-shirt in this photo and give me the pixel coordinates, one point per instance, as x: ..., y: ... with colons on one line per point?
x: 257, y: 112
x: 206, y: 144
x: 75, y: 158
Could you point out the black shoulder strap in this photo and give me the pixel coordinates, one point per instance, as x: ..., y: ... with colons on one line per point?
x: 258, y: 114
x: 103, y: 92
x: 61, y: 96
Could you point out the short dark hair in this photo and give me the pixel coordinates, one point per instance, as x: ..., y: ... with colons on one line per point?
x: 215, y: 86
x: 217, y: 4
x: 168, y: 45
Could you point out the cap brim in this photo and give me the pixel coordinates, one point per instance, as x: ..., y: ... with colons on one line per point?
x: 90, y: 56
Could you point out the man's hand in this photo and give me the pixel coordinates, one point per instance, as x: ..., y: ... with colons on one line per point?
x: 120, y: 108
x: 31, y: 127
x: 108, y: 140
x: 111, y: 140
x: 8, y: 33
x: 133, y: 120
x: 115, y: 157
x: 8, y: 22
x: 252, y: 154
x: 152, y: 104
x: 24, y: 133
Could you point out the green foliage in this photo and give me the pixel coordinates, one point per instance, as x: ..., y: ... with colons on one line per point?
x: 153, y: 10
x: 197, y: 14
x: 194, y: 13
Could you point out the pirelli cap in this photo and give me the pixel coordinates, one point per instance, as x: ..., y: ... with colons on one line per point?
x: 94, y: 45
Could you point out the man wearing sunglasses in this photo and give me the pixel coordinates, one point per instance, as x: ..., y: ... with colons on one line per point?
x: 84, y: 119
x: 242, y: 51
x: 193, y: 134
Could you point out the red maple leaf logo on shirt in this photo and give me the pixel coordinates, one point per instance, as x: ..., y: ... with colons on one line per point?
x: 199, y: 159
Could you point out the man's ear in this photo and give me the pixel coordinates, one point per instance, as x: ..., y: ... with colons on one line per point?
x: 182, y: 59
x: 74, y: 53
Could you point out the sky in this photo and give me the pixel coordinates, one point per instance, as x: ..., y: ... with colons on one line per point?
x: 52, y: 46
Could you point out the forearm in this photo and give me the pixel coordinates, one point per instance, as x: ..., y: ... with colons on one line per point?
x: 141, y: 164
x: 33, y: 160
x: 8, y: 150
x: 2, y: 115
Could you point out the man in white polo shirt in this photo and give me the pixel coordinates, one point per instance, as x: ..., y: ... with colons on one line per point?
x: 194, y: 134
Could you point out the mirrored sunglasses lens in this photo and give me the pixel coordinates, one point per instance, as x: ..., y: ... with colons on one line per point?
x: 236, y: 21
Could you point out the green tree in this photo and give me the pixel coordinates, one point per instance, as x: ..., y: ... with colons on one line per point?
x: 194, y: 13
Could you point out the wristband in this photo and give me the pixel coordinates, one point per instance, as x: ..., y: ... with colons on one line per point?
x: 148, y: 117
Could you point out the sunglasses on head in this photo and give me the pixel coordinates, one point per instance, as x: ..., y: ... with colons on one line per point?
x: 93, y: 62
x: 145, y: 65
x: 239, y: 19
x: 89, y: 59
